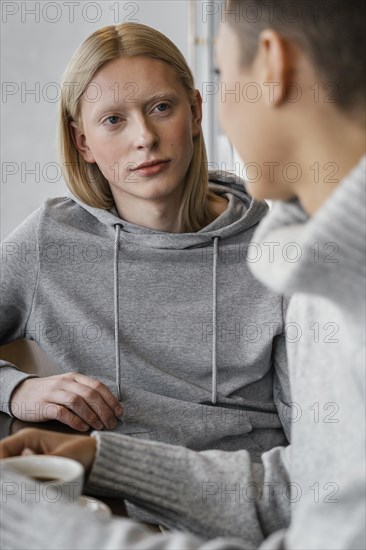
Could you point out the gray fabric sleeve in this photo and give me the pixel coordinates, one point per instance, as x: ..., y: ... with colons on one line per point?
x: 10, y: 378
x: 55, y: 523
x: 18, y: 276
x: 210, y: 493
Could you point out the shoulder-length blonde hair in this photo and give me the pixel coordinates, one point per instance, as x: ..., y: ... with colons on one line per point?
x: 85, y: 180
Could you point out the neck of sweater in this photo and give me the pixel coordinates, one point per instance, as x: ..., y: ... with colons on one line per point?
x: 323, y: 255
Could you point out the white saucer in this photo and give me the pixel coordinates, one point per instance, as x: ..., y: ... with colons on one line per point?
x: 94, y: 505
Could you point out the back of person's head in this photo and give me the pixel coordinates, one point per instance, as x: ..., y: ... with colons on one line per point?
x: 330, y: 33
x: 85, y: 180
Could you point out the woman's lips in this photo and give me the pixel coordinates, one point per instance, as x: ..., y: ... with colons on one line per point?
x: 152, y: 170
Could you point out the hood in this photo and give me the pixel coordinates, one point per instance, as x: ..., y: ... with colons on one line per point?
x: 241, y: 213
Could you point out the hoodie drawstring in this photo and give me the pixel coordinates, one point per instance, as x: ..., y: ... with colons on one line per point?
x: 214, y: 316
x: 116, y: 312
x: 214, y: 321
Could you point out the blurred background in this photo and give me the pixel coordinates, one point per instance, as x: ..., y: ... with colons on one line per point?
x: 37, y: 41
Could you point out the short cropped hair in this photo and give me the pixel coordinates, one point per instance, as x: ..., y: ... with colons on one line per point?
x: 330, y: 32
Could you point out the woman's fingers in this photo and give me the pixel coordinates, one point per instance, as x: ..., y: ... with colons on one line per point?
x: 58, y: 411
x: 96, y: 404
x: 73, y: 399
x: 108, y: 397
x: 41, y: 399
x: 15, y: 444
x: 27, y: 452
x: 79, y: 447
x: 38, y: 441
x: 87, y: 402
x: 90, y: 405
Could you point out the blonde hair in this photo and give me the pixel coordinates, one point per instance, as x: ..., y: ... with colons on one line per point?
x: 85, y: 180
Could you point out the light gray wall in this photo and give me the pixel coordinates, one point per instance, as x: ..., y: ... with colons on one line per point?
x: 35, y: 49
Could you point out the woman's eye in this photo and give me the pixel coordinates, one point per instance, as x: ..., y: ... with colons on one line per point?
x: 163, y: 107
x: 112, y: 120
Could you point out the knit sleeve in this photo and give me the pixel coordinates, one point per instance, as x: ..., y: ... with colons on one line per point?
x: 51, y: 523
x: 210, y: 493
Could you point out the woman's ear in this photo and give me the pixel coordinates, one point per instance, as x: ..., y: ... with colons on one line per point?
x: 79, y: 140
x: 274, y: 65
x: 196, y: 114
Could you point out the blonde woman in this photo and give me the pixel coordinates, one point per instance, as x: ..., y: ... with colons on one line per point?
x: 140, y: 291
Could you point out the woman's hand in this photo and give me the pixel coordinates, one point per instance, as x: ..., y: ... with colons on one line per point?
x: 33, y: 440
x: 74, y: 399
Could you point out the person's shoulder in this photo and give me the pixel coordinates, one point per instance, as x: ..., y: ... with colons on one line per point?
x: 62, y: 210
x: 50, y: 206
x: 53, y: 211
x: 28, y: 228
x: 58, y: 206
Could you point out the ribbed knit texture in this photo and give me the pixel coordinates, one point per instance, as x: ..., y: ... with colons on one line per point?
x: 326, y: 349
x: 318, y: 482
x: 329, y: 248
x: 64, y: 526
x: 207, y: 493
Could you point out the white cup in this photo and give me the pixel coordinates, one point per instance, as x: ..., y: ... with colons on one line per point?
x: 52, y: 478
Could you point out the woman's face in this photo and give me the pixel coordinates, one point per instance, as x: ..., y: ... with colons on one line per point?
x: 136, y: 111
x: 251, y: 121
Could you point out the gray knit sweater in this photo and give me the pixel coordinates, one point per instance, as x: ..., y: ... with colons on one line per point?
x: 310, y: 495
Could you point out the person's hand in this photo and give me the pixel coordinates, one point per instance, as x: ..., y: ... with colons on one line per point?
x: 74, y: 399
x: 35, y: 441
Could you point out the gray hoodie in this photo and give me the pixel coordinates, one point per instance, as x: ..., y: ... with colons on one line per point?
x: 174, y: 324
x: 309, y: 495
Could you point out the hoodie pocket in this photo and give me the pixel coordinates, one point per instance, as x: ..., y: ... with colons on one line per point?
x: 225, y: 439
x: 215, y: 428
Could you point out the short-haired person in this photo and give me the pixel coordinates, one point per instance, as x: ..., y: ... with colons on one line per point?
x: 310, y: 495
x: 136, y: 285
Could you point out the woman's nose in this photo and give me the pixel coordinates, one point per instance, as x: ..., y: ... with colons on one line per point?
x: 145, y: 134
